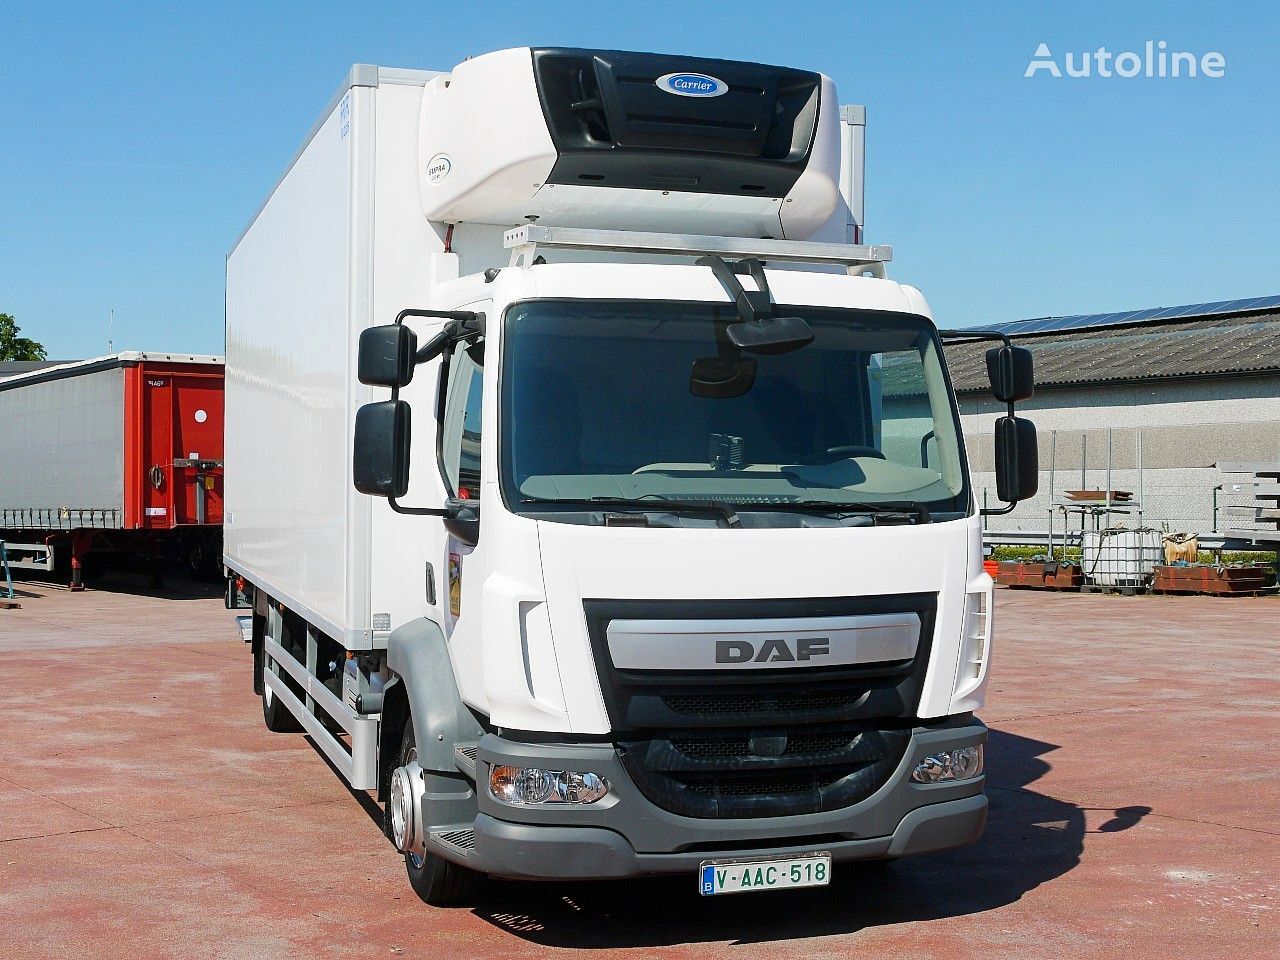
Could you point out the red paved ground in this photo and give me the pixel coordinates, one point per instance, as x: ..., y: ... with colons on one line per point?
x: 146, y: 812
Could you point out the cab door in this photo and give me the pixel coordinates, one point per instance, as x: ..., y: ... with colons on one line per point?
x: 461, y: 431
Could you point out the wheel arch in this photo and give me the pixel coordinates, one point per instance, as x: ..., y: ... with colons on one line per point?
x: 418, y: 656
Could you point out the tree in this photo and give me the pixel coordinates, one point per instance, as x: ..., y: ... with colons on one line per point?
x: 14, y: 347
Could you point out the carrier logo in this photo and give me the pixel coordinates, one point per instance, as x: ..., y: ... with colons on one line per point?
x: 439, y: 167
x: 691, y: 85
x: 774, y: 650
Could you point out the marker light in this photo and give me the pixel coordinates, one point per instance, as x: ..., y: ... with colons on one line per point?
x: 963, y: 763
x: 526, y: 786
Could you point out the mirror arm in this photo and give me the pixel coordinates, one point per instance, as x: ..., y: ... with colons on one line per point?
x: 463, y: 325
x: 470, y: 327
x: 461, y: 315
x: 416, y: 511
x: 749, y: 307
x: 998, y: 511
x: 434, y: 347
x: 956, y: 336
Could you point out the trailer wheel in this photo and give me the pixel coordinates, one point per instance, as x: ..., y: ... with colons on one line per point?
x: 202, y: 556
x: 435, y: 880
x: 276, y: 714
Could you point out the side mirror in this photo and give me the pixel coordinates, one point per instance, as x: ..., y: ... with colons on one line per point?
x: 1017, y: 459
x: 381, y: 462
x: 387, y: 355
x: 463, y: 520
x: 720, y: 379
x: 1011, y: 373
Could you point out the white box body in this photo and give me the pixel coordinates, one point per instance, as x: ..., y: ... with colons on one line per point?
x: 342, y: 243
x: 337, y: 247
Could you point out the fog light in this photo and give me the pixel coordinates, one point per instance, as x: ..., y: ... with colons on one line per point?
x: 963, y: 763
x: 524, y: 786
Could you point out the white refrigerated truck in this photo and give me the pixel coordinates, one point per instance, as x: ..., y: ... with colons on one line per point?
x: 685, y: 576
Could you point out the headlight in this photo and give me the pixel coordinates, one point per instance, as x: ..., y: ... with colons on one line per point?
x: 526, y: 786
x: 963, y: 763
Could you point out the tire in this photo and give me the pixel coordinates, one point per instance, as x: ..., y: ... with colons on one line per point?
x: 276, y: 714
x: 436, y: 881
x: 202, y: 556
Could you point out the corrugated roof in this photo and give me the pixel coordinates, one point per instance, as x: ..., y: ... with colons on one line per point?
x: 1151, y: 348
x: 1126, y: 317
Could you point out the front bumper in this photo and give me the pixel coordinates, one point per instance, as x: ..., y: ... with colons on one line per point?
x: 626, y: 835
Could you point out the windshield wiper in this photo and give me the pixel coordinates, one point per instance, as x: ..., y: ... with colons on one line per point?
x: 650, y: 502
x: 884, y: 508
x: 725, y: 510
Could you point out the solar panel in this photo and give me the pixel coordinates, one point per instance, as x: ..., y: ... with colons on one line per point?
x: 1081, y: 321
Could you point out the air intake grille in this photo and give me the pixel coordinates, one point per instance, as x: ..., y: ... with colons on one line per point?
x: 750, y: 743
x: 462, y: 839
x: 802, y: 745
x: 719, y: 705
x: 765, y: 775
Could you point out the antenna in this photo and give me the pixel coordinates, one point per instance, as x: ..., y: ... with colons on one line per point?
x: 111, y: 321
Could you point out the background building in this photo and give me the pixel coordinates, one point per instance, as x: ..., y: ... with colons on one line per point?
x: 1180, y: 389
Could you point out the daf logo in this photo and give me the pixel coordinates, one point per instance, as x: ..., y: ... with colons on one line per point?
x: 691, y: 85
x: 776, y: 650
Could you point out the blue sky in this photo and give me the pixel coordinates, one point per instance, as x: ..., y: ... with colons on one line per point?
x: 138, y: 139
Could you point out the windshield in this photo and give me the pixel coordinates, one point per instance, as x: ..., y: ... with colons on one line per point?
x: 651, y: 401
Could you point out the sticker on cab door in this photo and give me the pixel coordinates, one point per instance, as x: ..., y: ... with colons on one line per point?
x: 455, y: 584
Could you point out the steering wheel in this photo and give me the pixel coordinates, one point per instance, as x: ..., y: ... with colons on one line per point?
x: 850, y: 450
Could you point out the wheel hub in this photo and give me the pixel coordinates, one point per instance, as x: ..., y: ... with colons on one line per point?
x: 407, y: 789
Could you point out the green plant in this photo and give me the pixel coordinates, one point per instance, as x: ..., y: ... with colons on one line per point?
x: 1237, y: 557
x: 14, y: 347
x: 1072, y: 555
x: 1006, y: 552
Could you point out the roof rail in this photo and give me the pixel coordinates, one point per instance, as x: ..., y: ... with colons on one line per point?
x: 857, y: 259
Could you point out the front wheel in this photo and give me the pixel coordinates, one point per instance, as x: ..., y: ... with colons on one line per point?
x: 435, y: 880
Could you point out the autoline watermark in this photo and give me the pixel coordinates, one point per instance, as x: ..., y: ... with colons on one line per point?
x: 1154, y: 60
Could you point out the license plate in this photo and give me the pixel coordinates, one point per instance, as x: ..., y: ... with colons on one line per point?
x: 748, y: 876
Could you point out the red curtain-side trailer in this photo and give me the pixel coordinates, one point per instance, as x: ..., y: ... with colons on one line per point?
x: 117, y: 455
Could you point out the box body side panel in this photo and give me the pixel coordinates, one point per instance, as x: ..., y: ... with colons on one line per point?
x: 290, y: 521
x: 63, y: 461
